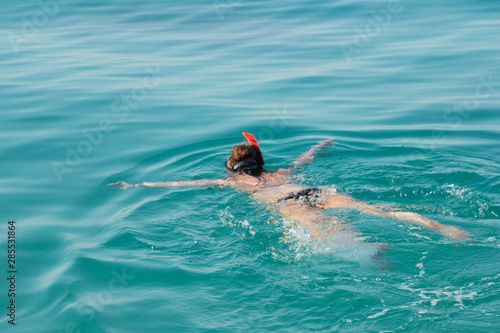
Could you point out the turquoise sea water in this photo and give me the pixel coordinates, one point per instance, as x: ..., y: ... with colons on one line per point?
x: 93, y: 92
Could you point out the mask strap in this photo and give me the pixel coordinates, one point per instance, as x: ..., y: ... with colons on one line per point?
x: 240, y: 163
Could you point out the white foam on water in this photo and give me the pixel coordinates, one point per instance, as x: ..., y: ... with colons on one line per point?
x: 345, y: 244
x: 229, y: 220
x: 478, y: 206
x: 420, y: 266
x: 381, y: 313
x: 420, y: 236
x: 433, y: 296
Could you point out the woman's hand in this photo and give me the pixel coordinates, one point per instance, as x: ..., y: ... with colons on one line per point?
x: 327, y: 142
x: 123, y: 185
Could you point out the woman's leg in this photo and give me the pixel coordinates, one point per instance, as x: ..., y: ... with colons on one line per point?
x: 339, y: 201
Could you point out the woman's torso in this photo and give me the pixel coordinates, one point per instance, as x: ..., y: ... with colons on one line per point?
x: 268, y: 188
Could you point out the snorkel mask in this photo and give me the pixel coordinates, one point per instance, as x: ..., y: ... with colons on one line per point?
x: 251, y: 166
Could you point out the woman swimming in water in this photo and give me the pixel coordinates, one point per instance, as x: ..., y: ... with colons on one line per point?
x: 294, y: 201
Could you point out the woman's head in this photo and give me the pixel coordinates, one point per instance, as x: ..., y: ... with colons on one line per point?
x: 246, y: 159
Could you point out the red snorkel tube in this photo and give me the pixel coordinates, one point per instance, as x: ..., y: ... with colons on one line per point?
x: 253, y: 141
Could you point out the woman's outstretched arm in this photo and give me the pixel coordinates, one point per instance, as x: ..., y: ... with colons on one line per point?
x: 309, y: 155
x: 201, y: 182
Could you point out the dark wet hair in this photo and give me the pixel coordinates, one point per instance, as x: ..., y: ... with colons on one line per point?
x: 245, y: 159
